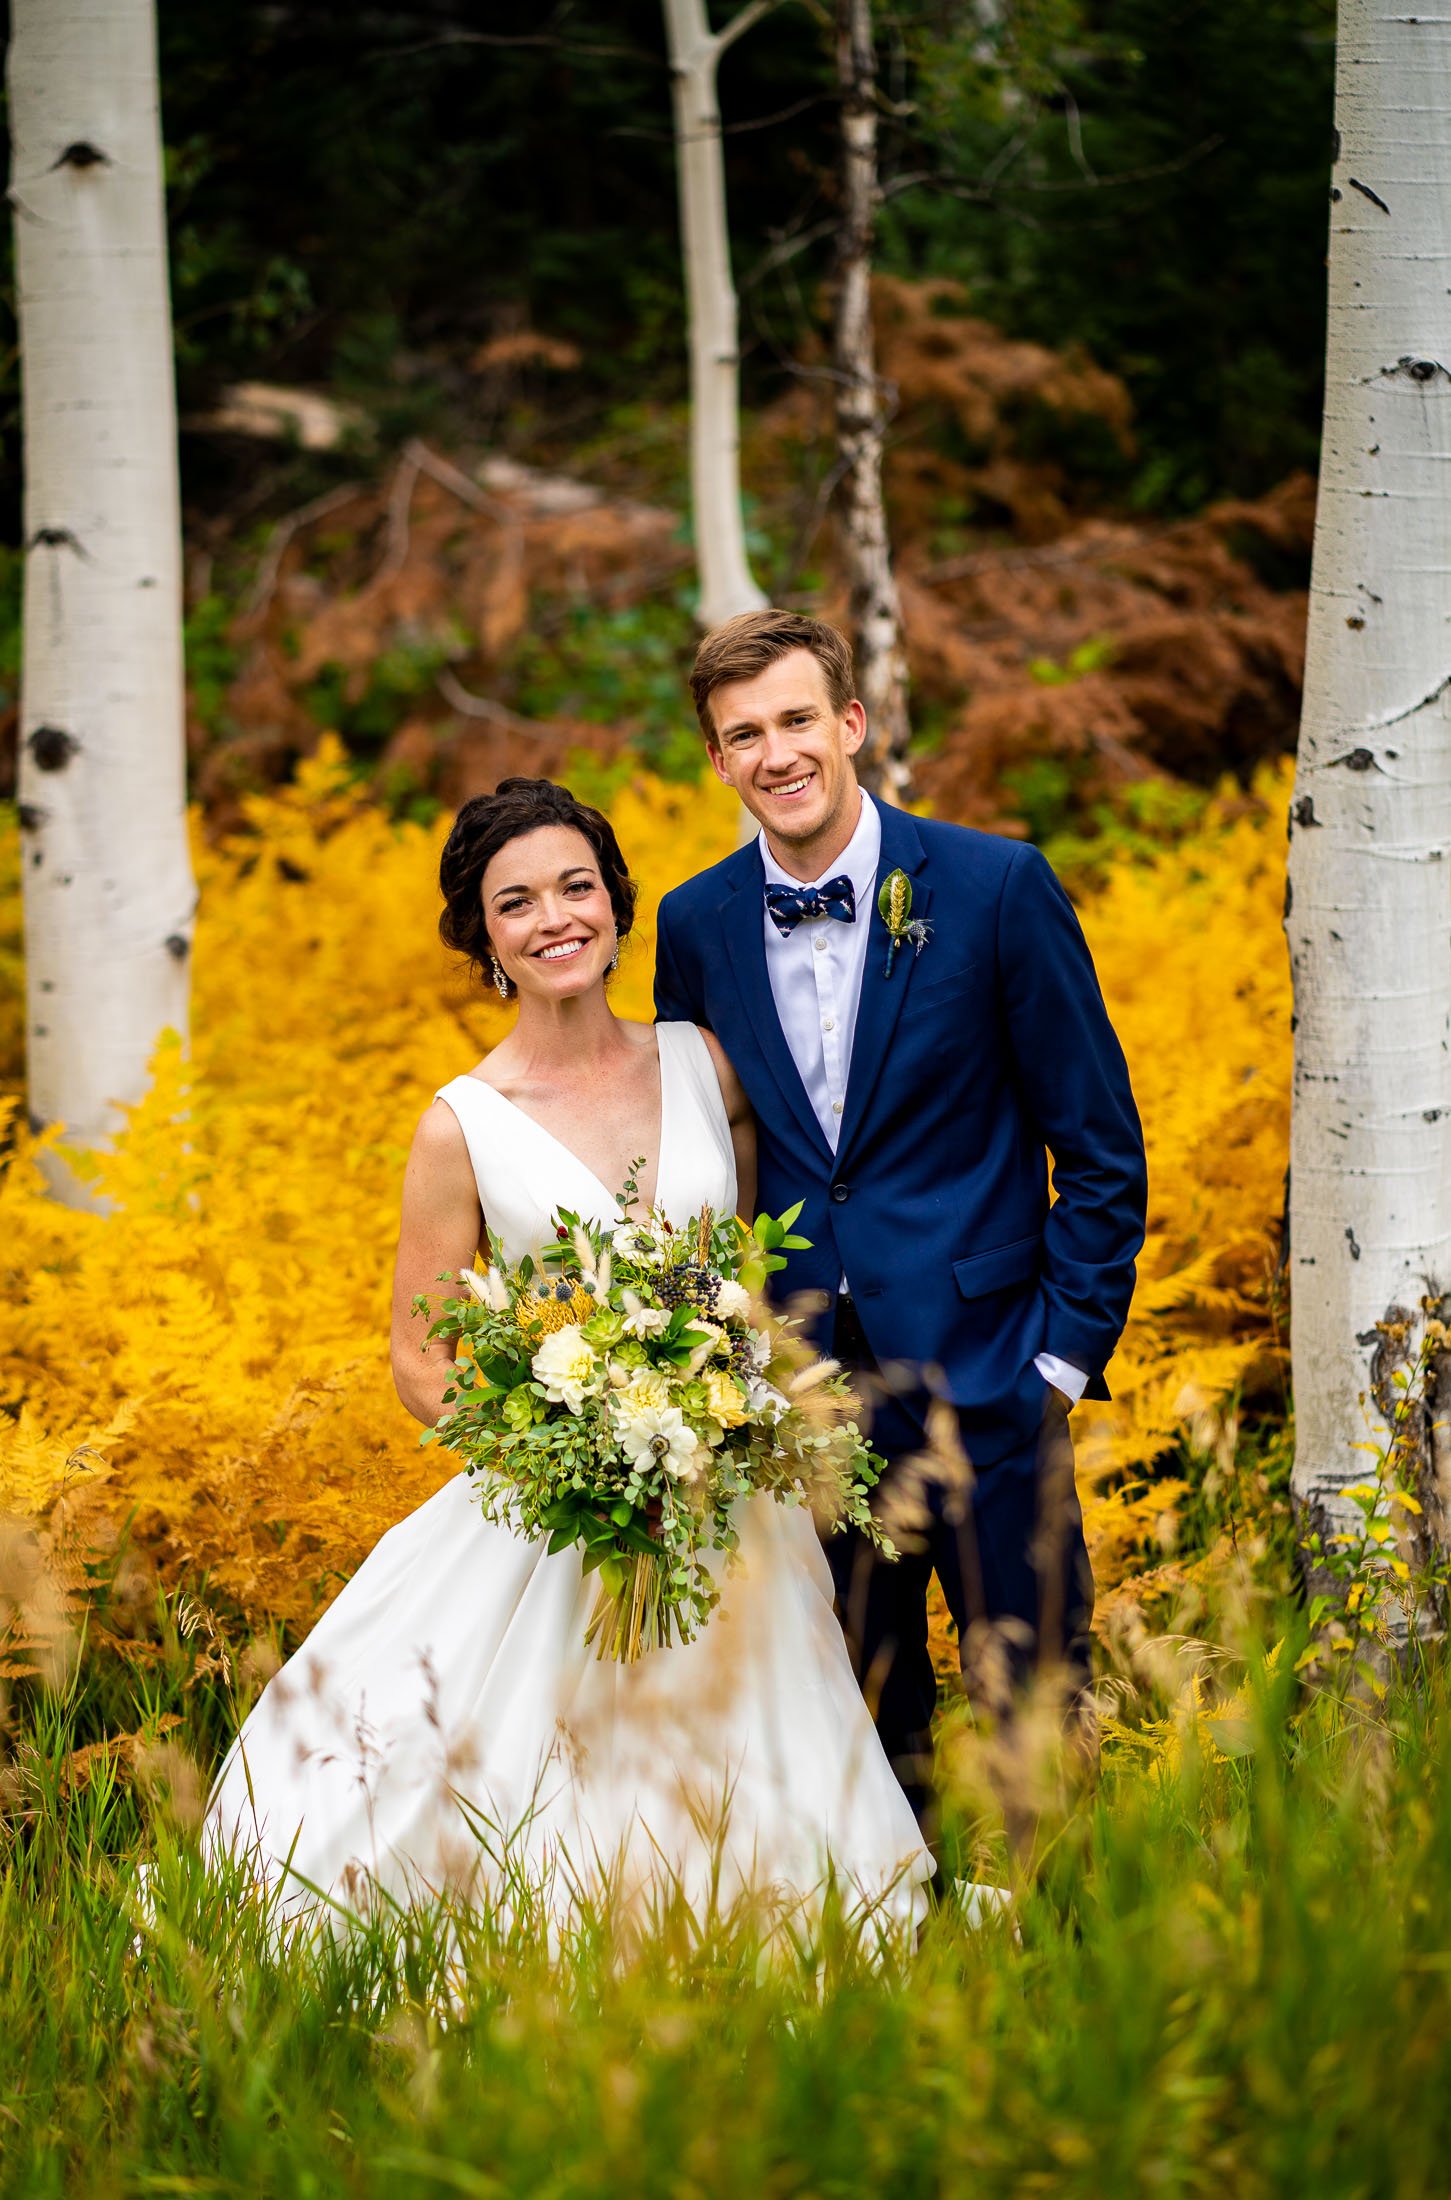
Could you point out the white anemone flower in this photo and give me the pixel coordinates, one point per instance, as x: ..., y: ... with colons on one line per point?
x: 660, y: 1435
x: 566, y: 1367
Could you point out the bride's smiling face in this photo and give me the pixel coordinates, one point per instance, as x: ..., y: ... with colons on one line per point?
x: 551, y: 923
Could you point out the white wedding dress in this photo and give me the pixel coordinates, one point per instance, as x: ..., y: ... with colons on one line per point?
x: 444, y: 1730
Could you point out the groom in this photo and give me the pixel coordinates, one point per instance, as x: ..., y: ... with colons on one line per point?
x: 910, y: 1079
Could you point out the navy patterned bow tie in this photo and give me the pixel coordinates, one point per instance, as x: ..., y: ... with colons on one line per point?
x: 788, y: 906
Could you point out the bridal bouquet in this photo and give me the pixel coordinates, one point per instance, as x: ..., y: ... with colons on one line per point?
x: 624, y: 1389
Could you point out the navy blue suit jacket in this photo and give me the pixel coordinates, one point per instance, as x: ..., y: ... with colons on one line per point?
x: 971, y: 1063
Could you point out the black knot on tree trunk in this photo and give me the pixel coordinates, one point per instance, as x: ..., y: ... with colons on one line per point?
x: 52, y: 747
x: 177, y: 946
x: 1366, y: 193
x: 82, y: 154
x: 1416, y: 370
x: 54, y: 538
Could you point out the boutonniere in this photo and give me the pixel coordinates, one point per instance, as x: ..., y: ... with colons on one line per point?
x: 895, y: 904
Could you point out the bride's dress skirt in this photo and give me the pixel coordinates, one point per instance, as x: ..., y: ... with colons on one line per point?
x: 444, y: 1733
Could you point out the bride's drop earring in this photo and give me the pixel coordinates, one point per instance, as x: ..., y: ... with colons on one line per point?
x: 614, y: 961
x: 501, y: 983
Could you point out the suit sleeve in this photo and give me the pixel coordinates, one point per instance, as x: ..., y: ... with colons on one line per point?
x: 676, y: 1001
x: 1075, y: 1083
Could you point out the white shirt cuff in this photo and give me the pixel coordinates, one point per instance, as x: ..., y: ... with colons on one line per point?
x: 1062, y: 1375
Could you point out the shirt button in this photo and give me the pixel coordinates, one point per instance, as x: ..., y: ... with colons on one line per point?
x: 820, y: 943
x: 828, y: 1023
x: 836, y: 1107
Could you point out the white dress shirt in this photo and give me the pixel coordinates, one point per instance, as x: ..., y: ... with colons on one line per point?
x: 816, y: 972
x: 816, y: 983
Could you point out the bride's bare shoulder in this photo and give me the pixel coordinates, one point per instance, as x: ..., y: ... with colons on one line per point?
x: 440, y: 1135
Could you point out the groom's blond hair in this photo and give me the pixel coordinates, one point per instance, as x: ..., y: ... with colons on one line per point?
x: 745, y: 646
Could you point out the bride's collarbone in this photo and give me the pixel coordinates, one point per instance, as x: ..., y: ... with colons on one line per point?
x: 628, y: 1079
x: 623, y: 1096
x: 609, y: 1123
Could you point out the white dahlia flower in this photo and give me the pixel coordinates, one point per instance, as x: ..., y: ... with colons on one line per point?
x: 733, y: 1301
x: 648, y: 1388
x: 566, y: 1367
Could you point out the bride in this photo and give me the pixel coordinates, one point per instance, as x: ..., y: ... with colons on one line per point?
x: 444, y: 1731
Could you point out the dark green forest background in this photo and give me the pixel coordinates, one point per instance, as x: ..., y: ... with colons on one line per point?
x: 364, y: 200
x: 359, y: 196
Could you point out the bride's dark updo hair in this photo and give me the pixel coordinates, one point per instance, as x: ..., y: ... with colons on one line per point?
x: 487, y: 823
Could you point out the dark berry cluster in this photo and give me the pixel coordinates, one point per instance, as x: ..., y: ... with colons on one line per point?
x: 690, y: 1285
x: 742, y: 1362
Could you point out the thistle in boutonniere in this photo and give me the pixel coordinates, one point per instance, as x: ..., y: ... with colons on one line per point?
x: 895, y: 903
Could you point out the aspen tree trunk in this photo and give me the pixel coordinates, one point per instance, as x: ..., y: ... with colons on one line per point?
x: 726, y: 585
x: 108, y: 886
x: 1368, y: 906
x: 876, y: 613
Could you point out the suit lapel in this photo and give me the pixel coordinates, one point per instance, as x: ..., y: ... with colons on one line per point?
x: 882, y: 995
x: 743, y: 927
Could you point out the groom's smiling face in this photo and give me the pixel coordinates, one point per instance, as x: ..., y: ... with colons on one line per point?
x: 787, y: 751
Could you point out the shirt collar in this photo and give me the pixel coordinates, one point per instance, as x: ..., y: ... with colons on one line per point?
x: 858, y: 859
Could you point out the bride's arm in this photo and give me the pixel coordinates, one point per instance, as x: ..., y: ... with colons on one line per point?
x: 742, y: 1122
x: 440, y: 1232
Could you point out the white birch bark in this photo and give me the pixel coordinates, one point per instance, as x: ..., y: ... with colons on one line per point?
x: 726, y: 583
x: 109, y: 895
x: 875, y: 611
x: 1368, y: 908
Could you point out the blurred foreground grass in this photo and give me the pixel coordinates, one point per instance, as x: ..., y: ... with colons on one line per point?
x: 1227, y: 1973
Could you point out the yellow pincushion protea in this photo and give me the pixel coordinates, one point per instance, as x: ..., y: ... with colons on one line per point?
x: 541, y: 1317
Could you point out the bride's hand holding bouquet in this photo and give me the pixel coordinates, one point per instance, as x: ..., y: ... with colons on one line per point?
x: 623, y: 1389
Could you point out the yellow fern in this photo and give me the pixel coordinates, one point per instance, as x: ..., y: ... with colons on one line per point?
x: 212, y: 1360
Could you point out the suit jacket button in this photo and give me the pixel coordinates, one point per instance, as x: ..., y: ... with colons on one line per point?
x: 840, y: 1191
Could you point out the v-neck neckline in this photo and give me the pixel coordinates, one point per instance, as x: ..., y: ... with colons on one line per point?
x: 612, y: 1198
